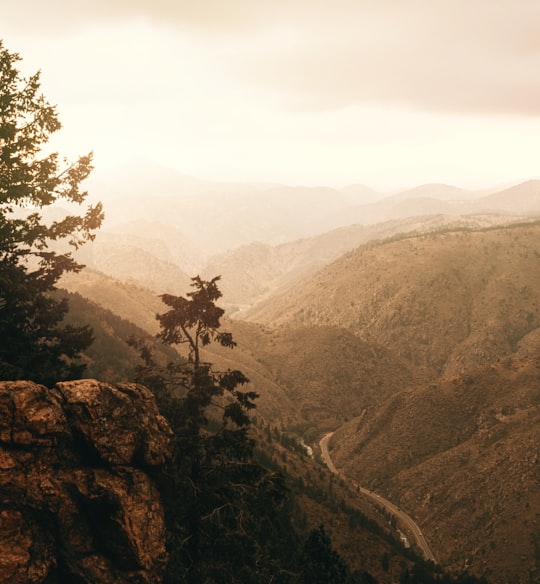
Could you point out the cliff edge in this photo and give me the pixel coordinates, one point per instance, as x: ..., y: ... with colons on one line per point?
x: 77, y: 498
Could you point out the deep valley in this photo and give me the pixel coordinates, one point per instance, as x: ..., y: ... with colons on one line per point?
x: 416, y: 339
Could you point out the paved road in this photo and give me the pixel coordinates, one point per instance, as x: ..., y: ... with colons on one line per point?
x: 398, y: 513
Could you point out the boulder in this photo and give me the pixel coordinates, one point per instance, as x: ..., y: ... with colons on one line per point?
x: 78, y: 501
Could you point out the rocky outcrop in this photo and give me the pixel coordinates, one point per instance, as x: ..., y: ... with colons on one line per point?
x: 78, y: 502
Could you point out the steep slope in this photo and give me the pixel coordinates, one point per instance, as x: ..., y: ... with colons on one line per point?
x: 446, y: 302
x: 135, y: 259
x: 523, y: 198
x: 126, y: 300
x: 360, y: 532
x: 253, y: 272
x: 327, y: 374
x: 109, y: 358
x: 462, y: 456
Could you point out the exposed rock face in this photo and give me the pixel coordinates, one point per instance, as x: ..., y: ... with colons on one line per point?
x: 77, y: 501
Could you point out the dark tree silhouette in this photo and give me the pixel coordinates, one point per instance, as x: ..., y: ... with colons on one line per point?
x: 34, y: 344
x: 217, y: 498
x: 321, y: 564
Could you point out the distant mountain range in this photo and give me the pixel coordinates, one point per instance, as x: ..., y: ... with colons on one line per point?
x: 163, y: 227
x: 216, y: 217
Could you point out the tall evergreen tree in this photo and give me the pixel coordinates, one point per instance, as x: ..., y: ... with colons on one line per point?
x: 218, y: 501
x: 321, y: 564
x: 33, y: 342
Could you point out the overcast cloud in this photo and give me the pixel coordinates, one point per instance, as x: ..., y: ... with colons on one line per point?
x: 476, y: 56
x: 387, y: 92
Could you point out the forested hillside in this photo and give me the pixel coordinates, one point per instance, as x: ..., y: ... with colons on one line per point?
x: 313, y: 496
x: 109, y: 358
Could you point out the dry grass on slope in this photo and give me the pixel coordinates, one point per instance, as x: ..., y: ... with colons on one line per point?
x: 445, y: 302
x: 326, y: 374
x: 461, y: 456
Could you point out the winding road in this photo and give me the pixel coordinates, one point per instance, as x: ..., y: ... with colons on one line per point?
x: 398, y: 513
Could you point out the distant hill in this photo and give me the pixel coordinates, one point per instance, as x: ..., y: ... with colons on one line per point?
x: 441, y: 192
x: 214, y: 216
x: 109, y: 358
x: 359, y: 193
x: 157, y: 254
x: 445, y: 302
x: 523, y: 198
x: 134, y: 259
x: 254, y: 272
x: 163, y: 240
x: 218, y: 216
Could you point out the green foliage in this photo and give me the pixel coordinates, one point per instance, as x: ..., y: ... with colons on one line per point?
x: 322, y: 565
x: 226, y: 515
x: 194, y: 320
x: 422, y: 575
x: 109, y: 358
x: 34, y: 345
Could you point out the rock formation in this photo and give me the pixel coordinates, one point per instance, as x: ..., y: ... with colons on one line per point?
x: 78, y: 501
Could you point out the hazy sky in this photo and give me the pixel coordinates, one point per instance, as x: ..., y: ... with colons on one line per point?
x: 391, y: 93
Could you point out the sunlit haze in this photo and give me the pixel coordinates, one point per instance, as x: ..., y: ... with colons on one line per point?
x: 389, y: 94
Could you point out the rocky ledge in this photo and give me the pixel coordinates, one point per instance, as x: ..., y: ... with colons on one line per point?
x: 78, y: 501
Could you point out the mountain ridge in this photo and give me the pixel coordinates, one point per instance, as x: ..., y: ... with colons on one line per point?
x: 240, y: 213
x: 402, y: 293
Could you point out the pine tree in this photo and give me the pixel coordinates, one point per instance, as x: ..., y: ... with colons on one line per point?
x: 321, y: 564
x: 221, y: 506
x: 33, y: 343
